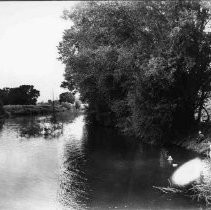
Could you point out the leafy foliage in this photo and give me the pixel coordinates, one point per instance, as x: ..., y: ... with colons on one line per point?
x: 2, y: 112
x: 67, y: 97
x: 22, y: 95
x: 143, y: 65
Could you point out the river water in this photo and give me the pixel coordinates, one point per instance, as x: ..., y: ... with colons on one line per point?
x: 75, y: 166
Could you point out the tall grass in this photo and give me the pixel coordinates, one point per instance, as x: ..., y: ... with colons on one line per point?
x: 202, y: 190
x: 32, y: 109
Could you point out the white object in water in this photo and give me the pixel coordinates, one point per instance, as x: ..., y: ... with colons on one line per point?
x: 174, y: 164
x: 170, y: 158
x: 187, y: 173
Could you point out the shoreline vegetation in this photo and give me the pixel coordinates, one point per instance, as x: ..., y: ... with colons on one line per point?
x: 199, y: 140
x: 144, y: 68
x: 39, y: 109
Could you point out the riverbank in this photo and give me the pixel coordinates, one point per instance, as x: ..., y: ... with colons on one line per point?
x: 199, y: 143
x: 23, y: 110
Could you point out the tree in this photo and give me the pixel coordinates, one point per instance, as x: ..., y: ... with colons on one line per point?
x: 22, y: 95
x: 4, y: 95
x: 2, y: 112
x: 67, y: 97
x: 145, y: 65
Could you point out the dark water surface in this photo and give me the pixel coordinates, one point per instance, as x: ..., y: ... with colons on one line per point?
x: 76, y: 167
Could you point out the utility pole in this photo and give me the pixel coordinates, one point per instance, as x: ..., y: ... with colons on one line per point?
x: 53, y: 102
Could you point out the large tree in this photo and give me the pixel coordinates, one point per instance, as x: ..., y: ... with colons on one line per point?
x: 145, y: 65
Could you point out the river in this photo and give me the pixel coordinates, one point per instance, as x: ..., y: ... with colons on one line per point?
x: 75, y: 166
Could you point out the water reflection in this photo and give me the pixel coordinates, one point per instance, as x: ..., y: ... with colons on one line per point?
x: 83, y: 168
x: 29, y: 170
x: 46, y: 127
x: 73, y: 182
x: 103, y: 170
x: 74, y: 189
x: 163, y: 158
x: 28, y: 174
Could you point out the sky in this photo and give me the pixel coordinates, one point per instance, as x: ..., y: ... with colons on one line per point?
x: 29, y: 34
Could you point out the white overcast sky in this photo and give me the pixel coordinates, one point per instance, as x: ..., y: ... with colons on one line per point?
x: 29, y: 34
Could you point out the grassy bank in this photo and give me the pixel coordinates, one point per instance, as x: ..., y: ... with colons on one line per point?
x: 196, y: 142
x: 21, y: 110
x: 200, y: 143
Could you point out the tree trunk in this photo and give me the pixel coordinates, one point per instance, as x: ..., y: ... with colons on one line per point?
x: 199, y: 113
x: 208, y: 116
x: 201, y: 103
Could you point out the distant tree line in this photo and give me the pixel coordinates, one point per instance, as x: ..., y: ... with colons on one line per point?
x: 142, y: 66
x: 22, y: 95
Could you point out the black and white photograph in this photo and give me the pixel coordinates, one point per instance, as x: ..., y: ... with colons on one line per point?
x: 105, y: 105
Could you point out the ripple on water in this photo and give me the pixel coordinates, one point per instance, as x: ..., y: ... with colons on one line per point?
x: 92, y: 168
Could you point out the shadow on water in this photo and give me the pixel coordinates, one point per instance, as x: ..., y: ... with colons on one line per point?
x: 84, y: 168
x: 105, y: 170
